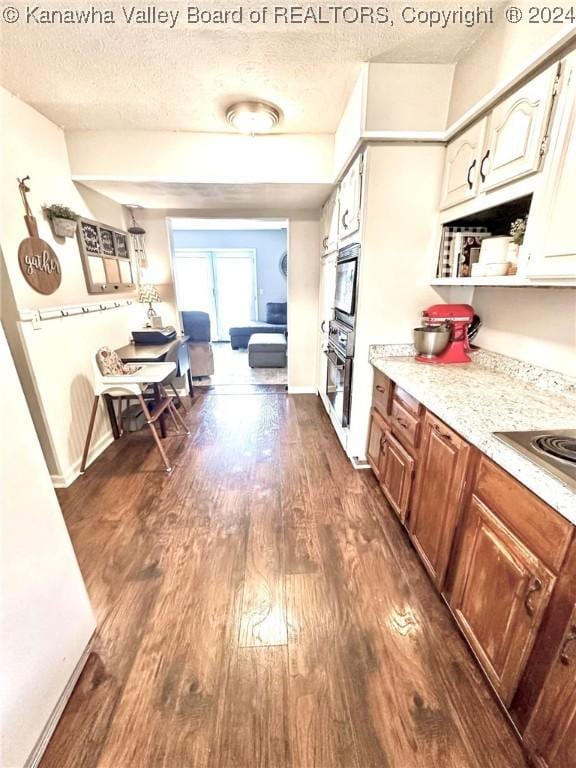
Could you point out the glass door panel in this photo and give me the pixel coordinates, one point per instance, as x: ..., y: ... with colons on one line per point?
x: 195, y: 284
x: 234, y: 273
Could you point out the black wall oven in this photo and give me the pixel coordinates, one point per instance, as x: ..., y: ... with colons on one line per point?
x: 346, y: 280
x: 339, y: 354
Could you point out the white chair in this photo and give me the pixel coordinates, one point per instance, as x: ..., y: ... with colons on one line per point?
x: 133, y: 385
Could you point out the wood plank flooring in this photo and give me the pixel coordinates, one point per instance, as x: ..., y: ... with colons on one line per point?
x: 261, y: 607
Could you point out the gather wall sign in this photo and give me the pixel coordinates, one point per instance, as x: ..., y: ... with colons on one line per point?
x: 38, y: 262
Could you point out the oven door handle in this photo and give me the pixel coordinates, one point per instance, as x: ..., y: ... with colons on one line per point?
x: 334, y: 359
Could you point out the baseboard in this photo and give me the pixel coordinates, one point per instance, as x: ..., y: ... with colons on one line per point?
x: 302, y: 390
x: 73, y: 472
x: 40, y: 746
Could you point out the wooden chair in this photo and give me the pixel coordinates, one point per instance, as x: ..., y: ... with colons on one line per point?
x: 133, y: 385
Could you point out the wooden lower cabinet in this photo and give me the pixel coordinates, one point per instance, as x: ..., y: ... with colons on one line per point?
x: 377, y: 429
x: 499, y: 594
x: 441, y: 474
x: 551, y: 730
x: 396, y: 472
x: 505, y: 561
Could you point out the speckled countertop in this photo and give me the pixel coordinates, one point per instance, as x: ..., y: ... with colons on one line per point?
x: 476, y: 400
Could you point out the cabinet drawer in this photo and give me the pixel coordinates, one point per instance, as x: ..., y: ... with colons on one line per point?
x: 408, y: 402
x: 537, y: 525
x: 382, y: 393
x: 405, y: 426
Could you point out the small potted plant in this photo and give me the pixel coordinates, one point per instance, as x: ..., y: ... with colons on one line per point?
x: 517, y: 231
x: 62, y: 219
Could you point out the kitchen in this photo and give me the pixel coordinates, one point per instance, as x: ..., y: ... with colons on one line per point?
x: 378, y: 567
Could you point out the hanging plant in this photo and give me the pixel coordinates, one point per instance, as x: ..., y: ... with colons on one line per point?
x: 62, y: 219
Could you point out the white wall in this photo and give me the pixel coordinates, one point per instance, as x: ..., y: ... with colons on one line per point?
x: 408, y: 97
x: 46, y: 619
x: 537, y: 325
x: 55, y: 360
x: 303, y: 287
x: 201, y: 157
x: 399, y: 234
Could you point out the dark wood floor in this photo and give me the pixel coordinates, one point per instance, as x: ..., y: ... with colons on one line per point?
x: 260, y: 608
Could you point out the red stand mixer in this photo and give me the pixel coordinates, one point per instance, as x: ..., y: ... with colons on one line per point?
x: 443, y: 337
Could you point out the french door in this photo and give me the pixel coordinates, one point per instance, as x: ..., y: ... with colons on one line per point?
x: 221, y: 282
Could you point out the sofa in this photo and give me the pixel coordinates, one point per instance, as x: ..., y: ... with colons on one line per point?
x: 276, y: 322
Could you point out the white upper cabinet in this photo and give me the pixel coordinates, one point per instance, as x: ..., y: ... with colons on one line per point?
x: 329, y: 225
x: 351, y: 199
x: 462, y: 165
x: 552, y: 247
x: 517, y: 129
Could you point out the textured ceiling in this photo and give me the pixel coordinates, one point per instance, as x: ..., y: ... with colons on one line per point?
x: 211, y: 197
x: 90, y: 76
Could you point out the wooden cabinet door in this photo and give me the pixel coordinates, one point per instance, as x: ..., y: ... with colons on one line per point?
x: 396, y: 472
x: 442, y: 467
x: 375, y: 437
x: 516, y: 131
x: 552, y: 248
x: 351, y: 199
x: 499, y: 595
x: 551, y: 731
x: 462, y: 165
x: 329, y: 225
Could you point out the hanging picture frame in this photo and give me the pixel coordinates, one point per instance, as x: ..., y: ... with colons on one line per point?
x: 106, y: 260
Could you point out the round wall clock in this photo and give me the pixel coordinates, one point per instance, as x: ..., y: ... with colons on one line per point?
x: 283, y: 264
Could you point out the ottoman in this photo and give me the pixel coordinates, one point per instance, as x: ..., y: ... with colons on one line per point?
x: 267, y: 350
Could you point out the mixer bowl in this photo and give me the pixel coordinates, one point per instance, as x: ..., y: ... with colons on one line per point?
x: 431, y: 340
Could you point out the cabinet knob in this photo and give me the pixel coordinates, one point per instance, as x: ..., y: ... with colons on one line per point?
x: 570, y: 637
x: 535, y: 586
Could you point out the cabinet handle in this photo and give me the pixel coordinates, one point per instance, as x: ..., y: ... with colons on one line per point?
x: 325, y: 243
x: 570, y: 637
x: 401, y: 422
x: 484, y: 159
x: 383, y: 441
x: 443, y: 435
x: 468, y: 179
x: 535, y: 586
x: 344, y: 217
x: 323, y: 326
x: 381, y: 389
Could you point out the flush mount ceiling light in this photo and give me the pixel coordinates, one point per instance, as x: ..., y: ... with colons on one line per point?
x: 253, y: 116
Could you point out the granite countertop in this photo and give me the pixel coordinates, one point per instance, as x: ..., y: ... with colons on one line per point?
x: 479, y: 398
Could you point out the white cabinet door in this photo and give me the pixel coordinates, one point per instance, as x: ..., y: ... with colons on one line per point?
x: 552, y: 247
x: 516, y: 132
x: 329, y: 225
x: 325, y: 304
x: 462, y: 165
x: 351, y: 199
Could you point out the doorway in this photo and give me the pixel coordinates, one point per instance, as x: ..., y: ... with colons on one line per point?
x: 221, y: 282
x: 233, y: 274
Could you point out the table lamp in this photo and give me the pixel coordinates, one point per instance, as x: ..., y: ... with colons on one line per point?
x: 148, y: 294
